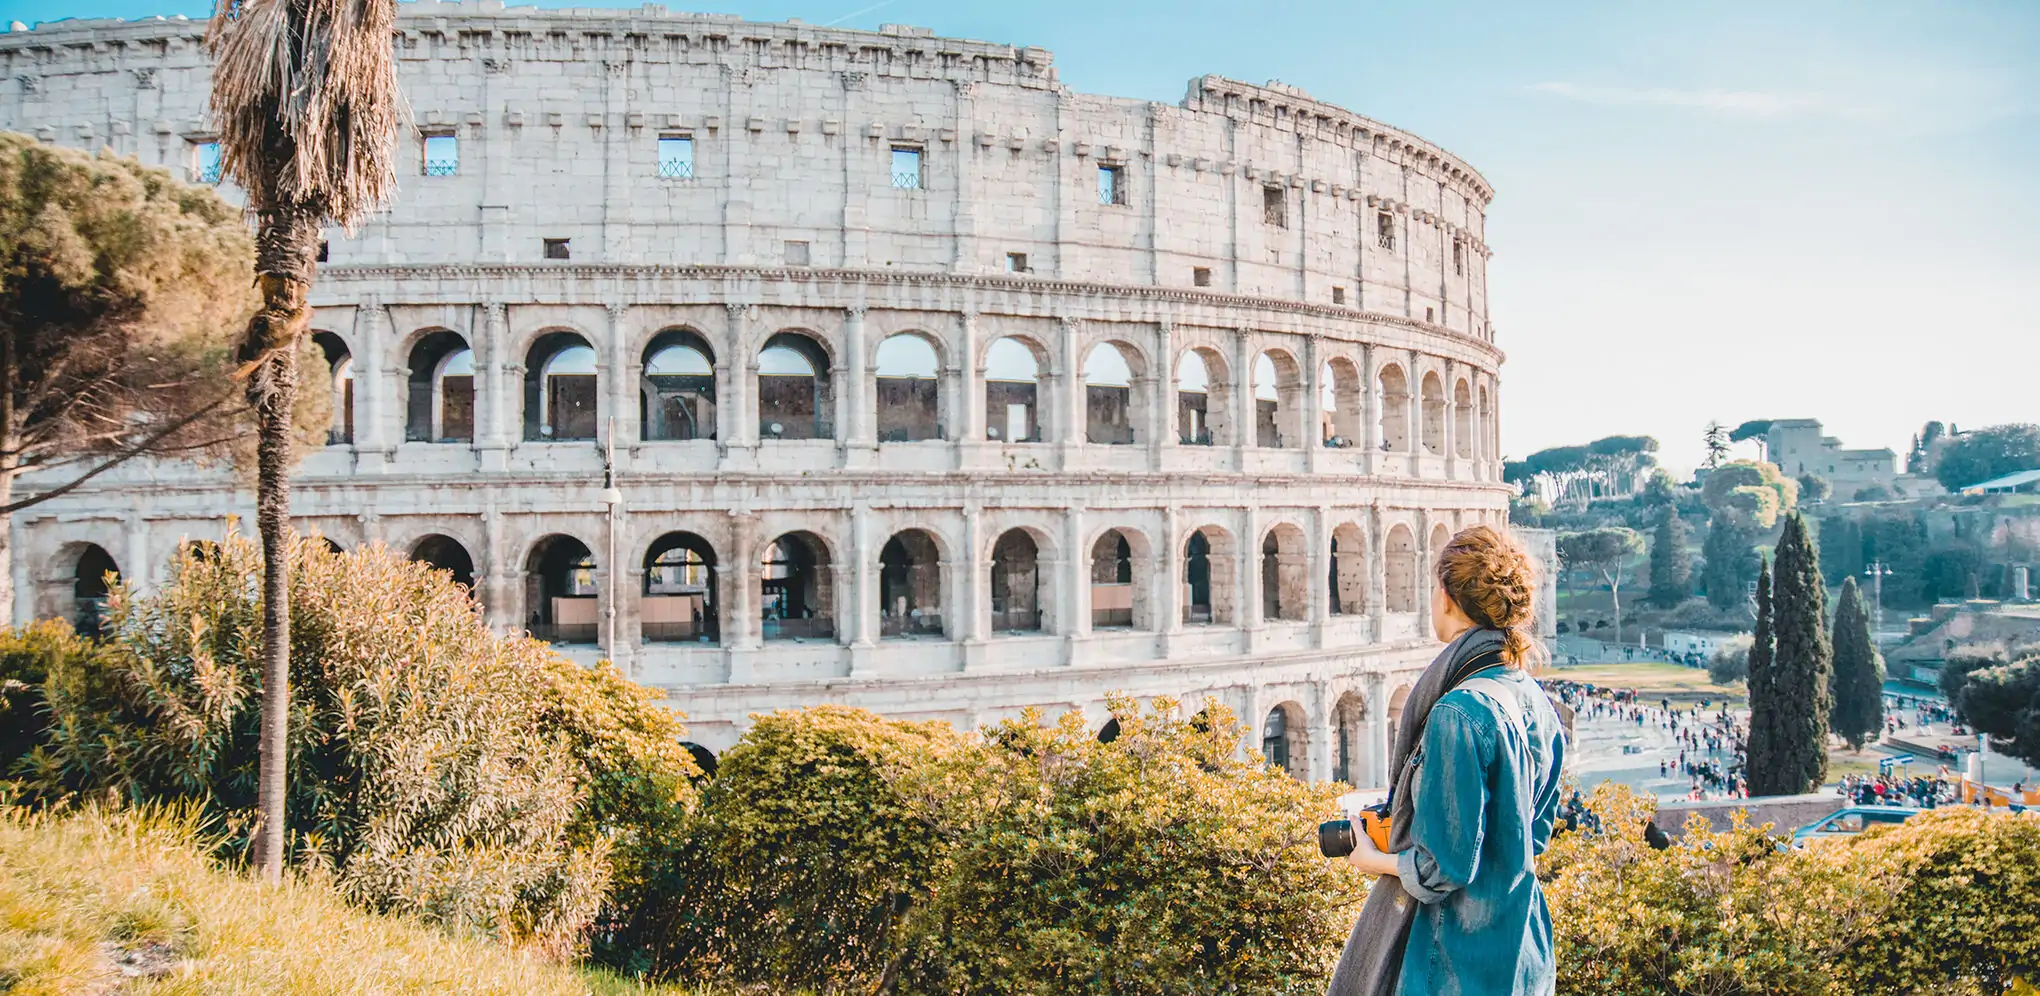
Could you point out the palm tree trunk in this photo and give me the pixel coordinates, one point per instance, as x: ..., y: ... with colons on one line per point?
x: 285, y: 249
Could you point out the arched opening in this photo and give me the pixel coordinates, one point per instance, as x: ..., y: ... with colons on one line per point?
x: 1352, y: 761
x: 94, y: 577
x: 440, y: 406
x: 1012, y: 392
x: 559, y: 388
x: 1440, y: 538
x: 1109, y: 401
x: 1462, y: 420
x: 1395, y: 410
x: 679, y: 597
x: 1399, y: 559
x: 1016, y: 583
x: 1349, y: 571
x: 797, y: 592
x: 909, y: 390
x: 1395, y: 710
x: 795, y: 397
x: 1285, y: 583
x: 1487, y: 425
x: 1208, y: 577
x: 447, y: 554
x: 332, y: 546
x: 1202, y: 393
x: 340, y: 374
x: 910, y: 585
x: 676, y: 394
x: 1340, y: 403
x: 1110, y: 731
x: 703, y: 758
x: 1277, y: 389
x: 1434, y: 415
x: 1112, y: 587
x: 1282, y: 741
x: 559, y: 591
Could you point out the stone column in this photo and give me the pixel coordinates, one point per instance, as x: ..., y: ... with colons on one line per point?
x: 737, y: 411
x: 371, y: 387
x: 1248, y: 570
x: 499, y: 396
x: 502, y: 597
x: 1370, y: 410
x: 976, y: 572
x: 1378, y: 743
x: 1322, y: 735
x: 1246, y: 414
x: 134, y: 567
x: 967, y: 426
x: 622, y: 385
x: 1317, y: 566
x: 1071, y: 410
x: 1415, y: 406
x: 741, y: 629
x: 1451, y: 432
x: 1313, y: 402
x: 1169, y: 560
x: 861, y: 439
x: 1162, y: 437
x: 1074, y: 600
x: 864, y: 573
x: 1377, y: 574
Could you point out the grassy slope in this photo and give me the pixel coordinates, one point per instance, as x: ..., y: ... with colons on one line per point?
x: 101, y: 903
x: 1653, y: 681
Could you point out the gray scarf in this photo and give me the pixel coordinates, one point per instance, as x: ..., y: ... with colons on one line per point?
x: 1372, y: 960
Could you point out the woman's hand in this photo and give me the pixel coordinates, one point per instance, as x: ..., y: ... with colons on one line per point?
x: 1368, y: 858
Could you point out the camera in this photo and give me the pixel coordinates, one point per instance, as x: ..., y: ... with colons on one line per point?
x: 1336, y: 838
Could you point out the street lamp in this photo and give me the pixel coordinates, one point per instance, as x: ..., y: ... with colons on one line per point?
x: 1877, y: 572
x: 612, y: 500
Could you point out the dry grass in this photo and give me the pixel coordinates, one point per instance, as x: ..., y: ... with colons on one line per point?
x: 97, y: 903
x: 1653, y: 681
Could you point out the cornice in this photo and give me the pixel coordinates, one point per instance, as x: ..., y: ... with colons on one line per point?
x: 997, y: 283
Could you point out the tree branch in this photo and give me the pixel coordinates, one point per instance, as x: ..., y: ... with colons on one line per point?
x: 122, y: 456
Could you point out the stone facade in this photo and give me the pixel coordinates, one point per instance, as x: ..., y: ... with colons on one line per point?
x: 627, y: 354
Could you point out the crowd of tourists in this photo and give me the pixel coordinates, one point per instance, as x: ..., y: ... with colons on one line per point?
x: 1922, y: 791
x: 1709, y: 735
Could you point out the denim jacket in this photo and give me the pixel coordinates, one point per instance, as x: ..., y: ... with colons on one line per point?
x: 1486, y: 792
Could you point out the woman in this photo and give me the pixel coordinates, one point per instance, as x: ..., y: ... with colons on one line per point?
x: 1458, y: 910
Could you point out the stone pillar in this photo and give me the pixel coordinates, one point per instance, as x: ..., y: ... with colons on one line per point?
x: 371, y: 387
x: 1370, y: 410
x: 1169, y: 576
x: 502, y: 595
x: 968, y: 410
x: 1378, y: 743
x: 1313, y: 402
x: 1162, y: 435
x: 976, y: 572
x: 864, y: 573
x: 1415, y: 406
x: 1377, y: 574
x: 1322, y: 735
x: 737, y: 411
x: 1075, y: 597
x: 1317, y: 566
x: 1451, y: 432
x: 134, y: 566
x: 1246, y: 414
x: 1071, y: 409
x: 623, y: 382
x: 741, y: 628
x: 859, y: 395
x: 1248, y: 604
x: 499, y: 397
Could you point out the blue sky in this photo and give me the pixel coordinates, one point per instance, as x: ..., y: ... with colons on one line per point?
x: 1704, y: 211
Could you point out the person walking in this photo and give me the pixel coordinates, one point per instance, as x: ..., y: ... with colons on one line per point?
x: 1457, y: 907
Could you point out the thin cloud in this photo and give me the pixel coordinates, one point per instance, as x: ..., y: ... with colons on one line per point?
x: 1749, y: 104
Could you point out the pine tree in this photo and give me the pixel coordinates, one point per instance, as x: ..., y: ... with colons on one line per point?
x: 1728, y: 559
x: 1671, y: 573
x: 1795, y: 691
x: 1760, y: 750
x: 1858, y: 714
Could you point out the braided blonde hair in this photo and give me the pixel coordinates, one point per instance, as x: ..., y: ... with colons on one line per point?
x: 1488, y: 575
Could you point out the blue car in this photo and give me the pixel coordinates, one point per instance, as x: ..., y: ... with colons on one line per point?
x: 1852, y: 820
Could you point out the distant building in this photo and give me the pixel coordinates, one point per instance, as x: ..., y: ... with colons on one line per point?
x: 1798, y: 447
x: 2024, y: 482
x: 1704, y: 644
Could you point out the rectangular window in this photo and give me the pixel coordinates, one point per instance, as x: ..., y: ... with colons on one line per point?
x: 1430, y: 314
x: 1275, y: 206
x: 1111, y: 184
x: 1338, y: 295
x: 1200, y: 276
x: 1016, y: 262
x: 676, y: 157
x: 796, y: 254
x: 205, y: 162
x: 906, y: 167
x: 442, y: 154
x: 557, y: 249
x: 1384, y: 230
x: 1459, y: 258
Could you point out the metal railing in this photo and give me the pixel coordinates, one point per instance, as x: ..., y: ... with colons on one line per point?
x: 209, y: 173
x: 1386, y: 240
x: 677, y: 169
x: 1196, y: 439
x: 799, y: 629
x: 441, y: 167
x: 907, y: 180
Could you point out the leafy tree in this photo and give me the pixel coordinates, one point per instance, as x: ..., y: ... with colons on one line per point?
x: 1873, y: 492
x: 1605, y: 551
x: 1671, y: 572
x: 1736, y: 485
x: 305, y: 94
x: 1814, y: 488
x: 1730, y: 662
x: 1916, y: 460
x: 119, y: 292
x: 1841, y: 547
x: 1998, y: 693
x: 1982, y: 454
x: 1662, y: 490
x: 1858, y: 715
x: 1728, y: 559
x: 1791, y: 702
x: 1757, y: 429
x: 1716, y: 441
x: 1761, y: 749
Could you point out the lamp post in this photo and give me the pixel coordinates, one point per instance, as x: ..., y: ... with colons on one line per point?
x: 612, y: 500
x: 1877, y: 572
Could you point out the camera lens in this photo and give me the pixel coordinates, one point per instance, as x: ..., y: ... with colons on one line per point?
x: 1335, y: 838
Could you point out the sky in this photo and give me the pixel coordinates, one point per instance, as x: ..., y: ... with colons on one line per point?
x: 1704, y: 211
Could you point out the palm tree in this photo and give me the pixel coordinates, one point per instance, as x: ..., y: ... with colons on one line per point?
x: 305, y: 95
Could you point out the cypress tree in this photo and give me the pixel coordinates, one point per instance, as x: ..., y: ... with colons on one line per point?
x: 1796, y: 689
x: 1760, y: 750
x: 1671, y: 573
x: 1858, y: 714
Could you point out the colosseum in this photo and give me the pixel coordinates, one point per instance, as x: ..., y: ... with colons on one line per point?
x: 785, y: 364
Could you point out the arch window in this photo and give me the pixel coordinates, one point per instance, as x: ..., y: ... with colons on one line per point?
x: 1277, y: 391
x: 796, y: 399
x: 1489, y: 445
x: 94, y: 577
x: 1112, y: 587
x: 447, y: 554
x: 1434, y: 415
x: 1109, y: 403
x: 1462, y: 420
x: 1208, y: 577
x: 440, y: 404
x: 1399, y: 561
x: 909, y: 390
x: 1016, y: 583
x: 560, y: 591
x: 1285, y: 585
x: 559, y: 389
x: 1201, y: 399
x: 910, y: 586
x: 676, y: 394
x: 1340, y: 403
x: 340, y: 374
x: 1282, y: 741
x: 1395, y: 410
x: 798, y: 596
x: 1348, y: 571
x: 1110, y: 731
x: 679, y: 593
x: 1012, y: 392
x: 703, y: 758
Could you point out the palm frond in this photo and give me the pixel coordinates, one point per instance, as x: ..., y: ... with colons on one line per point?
x: 305, y: 96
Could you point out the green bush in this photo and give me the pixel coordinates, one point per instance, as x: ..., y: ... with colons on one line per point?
x: 27, y: 656
x: 480, y: 782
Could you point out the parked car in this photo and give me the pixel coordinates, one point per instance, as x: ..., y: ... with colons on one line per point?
x: 1851, y: 820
